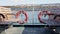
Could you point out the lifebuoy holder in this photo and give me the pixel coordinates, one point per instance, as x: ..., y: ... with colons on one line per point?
x: 41, y: 14
x: 25, y: 20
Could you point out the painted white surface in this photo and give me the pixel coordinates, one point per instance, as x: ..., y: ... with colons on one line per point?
x: 14, y: 30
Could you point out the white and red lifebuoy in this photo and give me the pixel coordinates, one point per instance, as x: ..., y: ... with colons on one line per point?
x: 41, y: 14
x: 26, y: 17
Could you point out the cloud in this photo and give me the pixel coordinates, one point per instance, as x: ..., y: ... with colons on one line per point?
x: 19, y: 2
x: 35, y: 1
x: 15, y: 0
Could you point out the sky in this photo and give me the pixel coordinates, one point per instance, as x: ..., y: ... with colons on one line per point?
x: 20, y: 2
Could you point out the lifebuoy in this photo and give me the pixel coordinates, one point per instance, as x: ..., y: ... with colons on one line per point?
x: 25, y: 20
x: 2, y: 15
x: 41, y: 14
